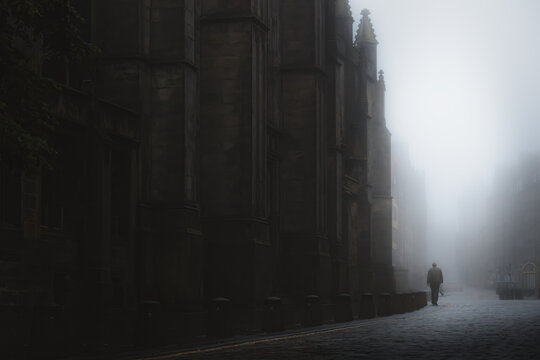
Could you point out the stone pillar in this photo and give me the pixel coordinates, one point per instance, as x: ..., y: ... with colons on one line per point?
x: 121, y: 63
x: 170, y: 208
x: 307, y: 265
x: 346, y: 136
x: 339, y: 45
x: 358, y: 192
x: 368, y: 163
x: 234, y: 110
x: 95, y: 246
x: 380, y: 178
x: 150, y: 66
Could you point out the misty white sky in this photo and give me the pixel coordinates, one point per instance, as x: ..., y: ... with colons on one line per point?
x: 463, y: 85
x: 463, y: 78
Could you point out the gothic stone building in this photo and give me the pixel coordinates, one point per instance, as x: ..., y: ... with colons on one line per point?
x: 409, y: 222
x: 505, y: 247
x: 226, y: 149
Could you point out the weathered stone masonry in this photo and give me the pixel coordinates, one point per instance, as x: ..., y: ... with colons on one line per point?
x: 228, y: 149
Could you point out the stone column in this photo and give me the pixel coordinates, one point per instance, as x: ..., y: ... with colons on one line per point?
x: 339, y: 46
x: 169, y: 211
x: 150, y: 65
x: 234, y: 110
x: 305, y: 248
x: 95, y: 246
x: 358, y: 141
x: 380, y: 177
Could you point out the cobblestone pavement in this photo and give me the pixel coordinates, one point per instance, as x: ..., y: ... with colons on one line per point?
x: 466, y: 325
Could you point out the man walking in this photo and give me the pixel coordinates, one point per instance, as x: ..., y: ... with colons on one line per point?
x: 434, y: 280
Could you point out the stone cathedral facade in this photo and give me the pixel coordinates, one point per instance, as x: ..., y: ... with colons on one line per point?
x: 225, y: 149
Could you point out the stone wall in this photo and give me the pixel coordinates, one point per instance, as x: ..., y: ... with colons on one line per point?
x: 235, y: 155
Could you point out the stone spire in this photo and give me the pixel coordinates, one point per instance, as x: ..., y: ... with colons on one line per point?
x: 365, y: 32
x: 343, y: 8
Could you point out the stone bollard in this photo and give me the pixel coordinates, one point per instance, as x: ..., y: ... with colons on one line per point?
x: 312, y: 311
x: 395, y: 303
x: 410, y: 302
x: 414, y: 301
x: 418, y: 300
x: 219, y: 317
x: 505, y: 294
x: 398, y: 304
x: 367, y: 306
x: 385, y: 304
x: 404, y: 303
x: 343, y: 309
x: 423, y: 298
x: 147, y: 322
x: 273, y: 314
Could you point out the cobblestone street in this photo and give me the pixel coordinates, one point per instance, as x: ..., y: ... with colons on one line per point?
x: 469, y: 324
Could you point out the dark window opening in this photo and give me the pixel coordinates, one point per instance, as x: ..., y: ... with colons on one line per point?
x: 52, y: 210
x: 59, y: 187
x: 120, y: 196
x: 10, y: 196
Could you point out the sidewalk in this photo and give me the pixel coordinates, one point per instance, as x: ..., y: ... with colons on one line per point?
x: 207, y: 345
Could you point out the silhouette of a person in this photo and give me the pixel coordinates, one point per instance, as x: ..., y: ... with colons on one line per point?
x: 434, y: 280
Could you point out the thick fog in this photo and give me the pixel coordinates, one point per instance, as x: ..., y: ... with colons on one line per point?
x: 463, y: 85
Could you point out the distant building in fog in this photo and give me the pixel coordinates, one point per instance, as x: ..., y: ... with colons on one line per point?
x: 226, y: 149
x: 508, y: 236
x: 409, y: 221
x: 515, y: 217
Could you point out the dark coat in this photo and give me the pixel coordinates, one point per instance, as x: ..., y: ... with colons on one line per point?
x: 434, y: 276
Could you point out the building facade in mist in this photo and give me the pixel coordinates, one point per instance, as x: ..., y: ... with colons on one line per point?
x: 509, y: 235
x: 515, y: 211
x: 409, y: 221
x: 224, y: 149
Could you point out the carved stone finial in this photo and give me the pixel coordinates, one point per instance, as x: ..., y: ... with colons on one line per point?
x: 381, y: 79
x: 343, y: 8
x: 365, y: 32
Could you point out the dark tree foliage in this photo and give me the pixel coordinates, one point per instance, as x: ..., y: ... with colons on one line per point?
x: 31, y: 32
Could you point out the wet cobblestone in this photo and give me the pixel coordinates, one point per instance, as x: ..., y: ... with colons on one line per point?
x: 465, y: 325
